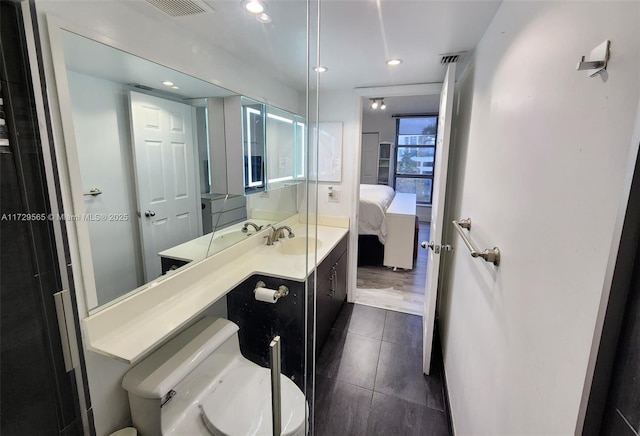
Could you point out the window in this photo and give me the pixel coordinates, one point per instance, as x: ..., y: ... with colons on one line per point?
x: 415, y: 156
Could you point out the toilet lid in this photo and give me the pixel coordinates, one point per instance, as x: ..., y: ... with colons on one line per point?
x: 241, y: 404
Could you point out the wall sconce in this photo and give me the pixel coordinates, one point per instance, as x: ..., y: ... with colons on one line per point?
x: 378, y: 103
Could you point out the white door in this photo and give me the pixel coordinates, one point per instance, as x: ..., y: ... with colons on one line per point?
x: 369, y: 159
x: 168, y: 204
x: 437, y: 213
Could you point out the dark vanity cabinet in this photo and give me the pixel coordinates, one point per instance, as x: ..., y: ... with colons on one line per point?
x: 170, y: 264
x: 260, y: 322
x: 331, y: 291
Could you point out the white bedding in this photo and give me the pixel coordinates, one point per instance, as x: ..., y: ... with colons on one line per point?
x: 374, y: 201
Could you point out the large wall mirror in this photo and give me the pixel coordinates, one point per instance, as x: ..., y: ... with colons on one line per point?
x: 153, y: 149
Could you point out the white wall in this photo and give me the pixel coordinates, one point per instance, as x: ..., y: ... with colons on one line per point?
x: 101, y: 122
x: 343, y: 106
x: 539, y: 155
x: 381, y: 122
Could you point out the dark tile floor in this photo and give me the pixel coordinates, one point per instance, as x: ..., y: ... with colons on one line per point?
x: 369, y: 378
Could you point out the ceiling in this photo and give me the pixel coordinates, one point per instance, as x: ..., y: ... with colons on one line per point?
x: 87, y: 56
x: 356, y: 37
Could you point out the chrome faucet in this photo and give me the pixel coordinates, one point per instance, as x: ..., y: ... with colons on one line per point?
x: 245, y: 228
x: 278, y: 234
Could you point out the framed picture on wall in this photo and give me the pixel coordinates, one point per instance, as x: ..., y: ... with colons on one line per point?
x: 329, y: 152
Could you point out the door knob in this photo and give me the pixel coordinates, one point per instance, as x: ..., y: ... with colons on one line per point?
x: 435, y: 247
x: 149, y: 213
x: 426, y: 244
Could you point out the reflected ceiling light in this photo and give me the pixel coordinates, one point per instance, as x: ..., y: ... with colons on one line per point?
x: 264, y: 18
x: 175, y: 87
x: 253, y: 6
x: 394, y: 62
x: 378, y: 103
x: 167, y: 83
x: 320, y: 69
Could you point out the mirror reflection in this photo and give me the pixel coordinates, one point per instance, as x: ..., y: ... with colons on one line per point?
x: 187, y: 168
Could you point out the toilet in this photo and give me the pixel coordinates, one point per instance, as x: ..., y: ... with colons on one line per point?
x: 200, y: 384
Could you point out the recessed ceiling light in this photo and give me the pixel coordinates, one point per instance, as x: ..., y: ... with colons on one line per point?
x: 167, y: 83
x: 264, y: 18
x: 393, y: 62
x: 320, y: 69
x: 253, y: 6
x: 175, y: 87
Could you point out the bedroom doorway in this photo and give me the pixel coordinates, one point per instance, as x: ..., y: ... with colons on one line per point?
x: 399, y: 289
x: 403, y: 206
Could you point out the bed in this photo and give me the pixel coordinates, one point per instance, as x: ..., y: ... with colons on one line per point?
x: 387, y: 227
x: 374, y: 201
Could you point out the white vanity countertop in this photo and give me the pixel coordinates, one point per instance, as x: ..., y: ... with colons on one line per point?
x: 132, y: 328
x: 196, y: 249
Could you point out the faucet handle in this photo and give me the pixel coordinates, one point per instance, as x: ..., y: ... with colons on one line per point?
x: 269, y: 241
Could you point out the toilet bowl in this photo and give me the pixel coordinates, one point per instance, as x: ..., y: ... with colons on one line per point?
x: 200, y: 384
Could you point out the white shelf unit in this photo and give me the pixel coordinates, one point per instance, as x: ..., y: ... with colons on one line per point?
x: 385, y: 163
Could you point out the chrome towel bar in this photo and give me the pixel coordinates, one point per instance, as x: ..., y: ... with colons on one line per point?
x: 489, y: 255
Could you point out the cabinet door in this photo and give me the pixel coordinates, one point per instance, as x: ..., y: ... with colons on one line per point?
x: 324, y: 315
x: 339, y: 286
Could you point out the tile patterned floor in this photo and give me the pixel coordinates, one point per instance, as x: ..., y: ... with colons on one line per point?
x: 369, y: 377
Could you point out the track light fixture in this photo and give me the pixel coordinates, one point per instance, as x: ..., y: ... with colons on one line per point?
x: 378, y: 103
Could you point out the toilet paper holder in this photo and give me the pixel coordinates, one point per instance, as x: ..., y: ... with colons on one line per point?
x: 282, y: 291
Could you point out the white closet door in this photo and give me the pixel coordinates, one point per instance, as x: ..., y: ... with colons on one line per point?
x: 369, y: 159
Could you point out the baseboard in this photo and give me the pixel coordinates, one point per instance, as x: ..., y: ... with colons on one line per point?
x: 445, y: 391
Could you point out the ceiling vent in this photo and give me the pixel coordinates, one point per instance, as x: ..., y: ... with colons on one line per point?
x: 181, y: 8
x: 452, y: 58
x: 143, y: 87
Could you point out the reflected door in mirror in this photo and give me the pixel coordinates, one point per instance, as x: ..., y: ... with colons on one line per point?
x: 168, y: 202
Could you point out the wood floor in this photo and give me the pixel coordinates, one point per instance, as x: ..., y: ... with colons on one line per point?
x: 402, y: 291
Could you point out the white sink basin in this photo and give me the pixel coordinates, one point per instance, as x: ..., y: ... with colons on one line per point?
x: 298, y: 246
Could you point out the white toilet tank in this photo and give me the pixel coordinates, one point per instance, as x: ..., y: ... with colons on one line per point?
x: 188, y: 358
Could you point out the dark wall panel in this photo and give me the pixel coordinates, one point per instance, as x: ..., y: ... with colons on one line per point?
x: 37, y: 396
